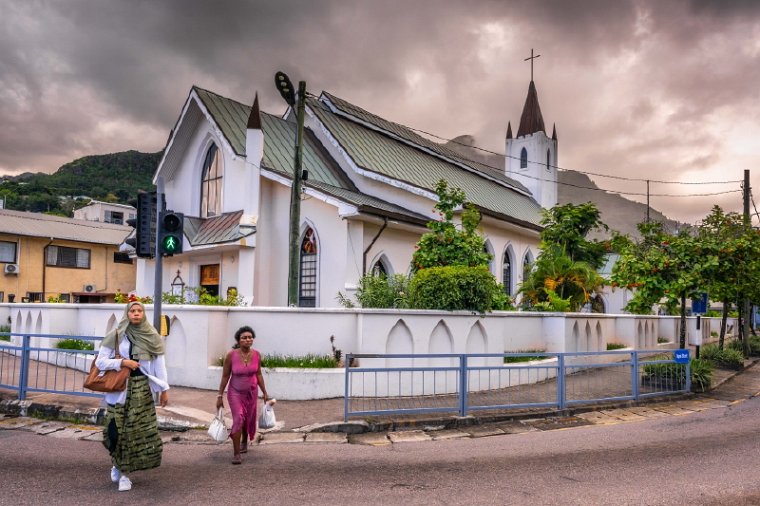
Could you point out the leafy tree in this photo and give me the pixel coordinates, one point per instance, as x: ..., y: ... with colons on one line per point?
x: 565, y: 275
x: 569, y: 226
x: 736, y: 247
x: 662, y: 265
x: 447, y: 244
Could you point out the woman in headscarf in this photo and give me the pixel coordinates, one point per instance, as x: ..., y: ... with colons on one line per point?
x: 131, y: 430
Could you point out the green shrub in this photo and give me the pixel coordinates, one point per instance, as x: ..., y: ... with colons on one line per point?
x: 673, y: 375
x: 701, y: 375
x: 713, y: 333
x: 7, y: 329
x: 662, y: 340
x: 456, y: 287
x: 754, y: 345
x: 74, y: 344
x: 525, y: 358
x: 615, y: 346
x: 379, y: 292
x: 727, y: 357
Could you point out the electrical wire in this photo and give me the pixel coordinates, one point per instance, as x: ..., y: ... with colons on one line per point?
x: 622, y: 178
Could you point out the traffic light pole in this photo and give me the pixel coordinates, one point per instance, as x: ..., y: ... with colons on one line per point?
x: 160, y: 205
x: 295, y: 198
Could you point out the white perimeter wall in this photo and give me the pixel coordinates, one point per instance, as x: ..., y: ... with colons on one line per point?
x: 199, y: 335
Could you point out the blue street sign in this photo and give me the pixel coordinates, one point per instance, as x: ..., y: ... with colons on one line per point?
x: 699, y: 306
x: 681, y: 356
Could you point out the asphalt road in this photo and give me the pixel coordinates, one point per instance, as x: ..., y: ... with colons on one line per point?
x: 706, y: 458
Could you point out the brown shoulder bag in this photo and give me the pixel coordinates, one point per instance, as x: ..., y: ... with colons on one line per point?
x: 109, y: 380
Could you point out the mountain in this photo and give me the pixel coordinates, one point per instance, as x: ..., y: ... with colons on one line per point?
x: 114, y: 177
x: 617, y: 212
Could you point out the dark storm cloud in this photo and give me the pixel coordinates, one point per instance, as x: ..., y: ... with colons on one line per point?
x: 626, y: 82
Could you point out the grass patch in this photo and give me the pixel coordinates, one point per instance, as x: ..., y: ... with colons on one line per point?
x: 74, y: 344
x: 309, y: 361
x: 525, y: 358
x: 662, y: 340
x: 615, y: 346
x: 5, y: 328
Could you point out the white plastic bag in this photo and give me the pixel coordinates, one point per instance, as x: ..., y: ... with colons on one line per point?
x: 267, y: 420
x: 218, y: 428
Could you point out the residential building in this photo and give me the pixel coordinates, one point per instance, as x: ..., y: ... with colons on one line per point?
x: 107, y: 212
x: 44, y: 256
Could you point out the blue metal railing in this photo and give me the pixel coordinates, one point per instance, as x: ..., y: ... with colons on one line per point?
x: 25, y: 368
x: 406, y: 384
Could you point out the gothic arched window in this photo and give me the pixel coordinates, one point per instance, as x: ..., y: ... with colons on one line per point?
x: 307, y: 285
x: 506, y: 273
x: 211, y: 183
x: 527, y: 265
x: 548, y: 159
x: 379, y: 269
x: 524, y: 158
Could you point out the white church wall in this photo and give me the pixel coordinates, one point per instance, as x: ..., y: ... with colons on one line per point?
x: 201, y: 334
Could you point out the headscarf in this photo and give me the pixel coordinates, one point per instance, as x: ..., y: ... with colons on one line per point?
x: 146, y: 343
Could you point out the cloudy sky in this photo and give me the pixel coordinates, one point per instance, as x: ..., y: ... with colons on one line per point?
x: 661, y: 90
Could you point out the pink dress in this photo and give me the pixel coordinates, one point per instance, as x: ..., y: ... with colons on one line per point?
x: 243, y: 393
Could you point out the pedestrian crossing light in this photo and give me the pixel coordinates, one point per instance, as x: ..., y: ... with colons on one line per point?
x: 170, y: 233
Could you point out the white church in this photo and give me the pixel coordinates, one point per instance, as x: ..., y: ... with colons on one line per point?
x: 368, y: 194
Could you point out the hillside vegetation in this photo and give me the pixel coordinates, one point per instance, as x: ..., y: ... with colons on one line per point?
x: 115, y: 177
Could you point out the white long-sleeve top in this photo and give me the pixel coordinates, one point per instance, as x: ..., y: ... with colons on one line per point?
x: 154, y: 369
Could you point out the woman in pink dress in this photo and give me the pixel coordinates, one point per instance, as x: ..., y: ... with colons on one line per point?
x: 242, y: 370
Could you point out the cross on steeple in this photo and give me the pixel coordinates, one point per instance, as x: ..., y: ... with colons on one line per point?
x: 531, y: 58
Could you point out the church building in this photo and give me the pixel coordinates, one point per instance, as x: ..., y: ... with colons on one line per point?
x: 368, y: 191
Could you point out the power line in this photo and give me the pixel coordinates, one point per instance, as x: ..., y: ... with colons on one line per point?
x: 463, y: 158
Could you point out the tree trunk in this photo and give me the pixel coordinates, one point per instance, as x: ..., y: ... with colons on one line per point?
x: 723, y: 323
x: 682, y: 333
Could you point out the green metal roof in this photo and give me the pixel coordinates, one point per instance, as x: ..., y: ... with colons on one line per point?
x: 373, y: 151
x: 377, y: 152
x: 410, y: 135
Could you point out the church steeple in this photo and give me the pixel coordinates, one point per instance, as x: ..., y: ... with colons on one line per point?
x: 254, y: 119
x: 509, y: 130
x: 531, y: 120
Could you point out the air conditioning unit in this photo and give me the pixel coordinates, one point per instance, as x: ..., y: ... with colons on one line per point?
x: 11, y: 269
x: 89, y: 288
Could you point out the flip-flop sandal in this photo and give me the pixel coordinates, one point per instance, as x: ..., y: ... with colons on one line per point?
x: 236, y: 460
x: 243, y: 448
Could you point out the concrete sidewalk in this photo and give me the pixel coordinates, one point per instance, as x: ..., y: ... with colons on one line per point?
x: 194, y: 408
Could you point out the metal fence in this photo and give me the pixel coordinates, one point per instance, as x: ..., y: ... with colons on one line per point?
x: 44, y: 367
x: 384, y: 384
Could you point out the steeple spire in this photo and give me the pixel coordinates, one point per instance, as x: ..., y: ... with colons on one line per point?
x: 531, y: 120
x: 554, y: 132
x: 509, y: 130
x: 254, y: 119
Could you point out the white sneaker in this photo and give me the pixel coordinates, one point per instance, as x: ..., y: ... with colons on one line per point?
x: 115, y: 474
x: 124, y: 484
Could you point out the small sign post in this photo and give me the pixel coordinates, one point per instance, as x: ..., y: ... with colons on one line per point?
x: 681, y: 356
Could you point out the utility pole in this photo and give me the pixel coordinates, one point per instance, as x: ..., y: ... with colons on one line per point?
x: 745, y: 302
x: 299, y: 101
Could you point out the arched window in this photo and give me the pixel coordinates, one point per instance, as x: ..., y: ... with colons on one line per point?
x: 548, y: 159
x: 307, y: 286
x: 527, y: 265
x: 211, y: 183
x: 524, y: 158
x: 379, y: 269
x: 506, y: 273
x: 488, y: 250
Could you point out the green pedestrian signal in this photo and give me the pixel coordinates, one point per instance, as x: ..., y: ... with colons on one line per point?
x: 170, y: 232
